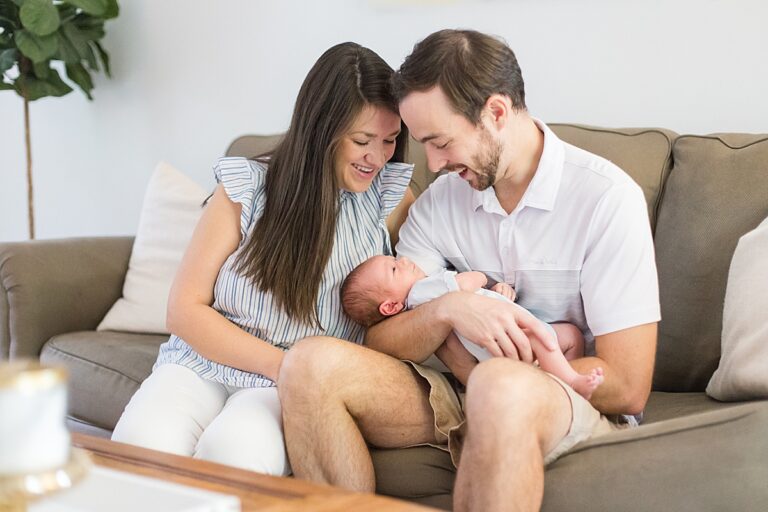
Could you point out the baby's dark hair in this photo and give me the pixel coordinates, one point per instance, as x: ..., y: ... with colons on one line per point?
x: 357, y: 299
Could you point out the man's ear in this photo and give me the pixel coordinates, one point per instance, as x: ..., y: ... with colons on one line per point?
x: 390, y: 307
x: 498, y: 108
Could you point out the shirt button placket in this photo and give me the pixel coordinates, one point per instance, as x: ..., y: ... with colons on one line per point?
x: 506, y: 243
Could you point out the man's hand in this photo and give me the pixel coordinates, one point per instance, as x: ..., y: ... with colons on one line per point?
x: 505, y: 290
x: 457, y: 358
x: 497, y: 326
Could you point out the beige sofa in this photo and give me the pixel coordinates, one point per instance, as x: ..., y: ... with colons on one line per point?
x: 691, y: 453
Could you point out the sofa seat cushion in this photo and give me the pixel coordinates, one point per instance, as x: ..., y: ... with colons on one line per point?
x: 666, y: 406
x: 417, y: 473
x: 105, y: 370
x: 414, y: 473
x: 710, y: 461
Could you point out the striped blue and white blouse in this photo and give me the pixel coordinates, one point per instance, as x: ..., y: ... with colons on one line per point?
x: 361, y: 232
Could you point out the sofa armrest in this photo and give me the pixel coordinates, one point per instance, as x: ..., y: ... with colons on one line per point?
x: 50, y: 287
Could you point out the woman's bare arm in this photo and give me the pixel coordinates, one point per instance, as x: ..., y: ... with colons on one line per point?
x: 190, y: 315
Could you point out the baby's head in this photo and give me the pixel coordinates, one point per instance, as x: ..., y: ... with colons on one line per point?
x: 378, y: 287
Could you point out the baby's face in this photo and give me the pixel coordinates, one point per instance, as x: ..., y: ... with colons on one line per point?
x: 394, y: 277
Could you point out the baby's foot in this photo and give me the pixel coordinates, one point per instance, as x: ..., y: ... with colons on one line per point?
x: 585, y: 385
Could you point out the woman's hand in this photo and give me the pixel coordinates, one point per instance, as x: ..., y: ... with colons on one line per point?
x: 457, y: 358
x: 499, y: 327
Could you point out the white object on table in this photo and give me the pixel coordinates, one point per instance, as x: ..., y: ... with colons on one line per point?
x: 33, y: 405
x: 118, y: 491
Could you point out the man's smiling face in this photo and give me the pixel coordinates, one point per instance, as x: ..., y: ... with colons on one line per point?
x: 451, y: 142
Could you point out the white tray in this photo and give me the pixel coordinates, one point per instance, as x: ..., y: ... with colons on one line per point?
x: 117, y: 491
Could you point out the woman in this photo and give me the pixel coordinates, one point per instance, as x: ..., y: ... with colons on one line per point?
x: 265, y: 263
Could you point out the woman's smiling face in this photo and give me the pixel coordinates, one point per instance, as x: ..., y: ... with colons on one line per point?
x: 366, y: 147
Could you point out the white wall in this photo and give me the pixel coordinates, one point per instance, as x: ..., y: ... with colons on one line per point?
x: 190, y: 75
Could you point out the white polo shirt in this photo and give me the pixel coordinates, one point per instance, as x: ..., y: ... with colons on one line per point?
x: 577, y: 248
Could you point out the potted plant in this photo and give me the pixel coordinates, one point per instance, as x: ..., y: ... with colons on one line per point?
x: 41, y: 38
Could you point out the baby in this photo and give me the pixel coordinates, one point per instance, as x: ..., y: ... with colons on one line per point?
x: 383, y: 286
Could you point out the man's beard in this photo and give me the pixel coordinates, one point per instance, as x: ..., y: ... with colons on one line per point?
x: 487, y: 162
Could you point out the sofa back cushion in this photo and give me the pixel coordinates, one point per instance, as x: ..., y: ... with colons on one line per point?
x: 717, y: 191
x: 249, y: 146
x: 644, y: 153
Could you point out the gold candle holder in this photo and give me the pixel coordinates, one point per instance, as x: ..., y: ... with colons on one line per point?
x: 37, y: 458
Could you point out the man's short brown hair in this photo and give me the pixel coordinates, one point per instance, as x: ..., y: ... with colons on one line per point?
x: 468, y: 66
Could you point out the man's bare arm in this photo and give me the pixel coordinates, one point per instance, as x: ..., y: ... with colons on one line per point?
x: 497, y: 326
x: 414, y: 334
x: 627, y: 358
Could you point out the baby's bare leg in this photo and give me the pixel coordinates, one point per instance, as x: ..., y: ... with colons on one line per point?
x: 555, y: 362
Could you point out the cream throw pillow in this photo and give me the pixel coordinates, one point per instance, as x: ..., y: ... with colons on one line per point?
x: 171, y: 209
x: 743, y: 370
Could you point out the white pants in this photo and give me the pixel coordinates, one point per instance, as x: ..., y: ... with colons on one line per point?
x: 177, y: 411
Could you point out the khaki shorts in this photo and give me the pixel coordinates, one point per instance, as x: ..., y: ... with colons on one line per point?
x: 446, y: 396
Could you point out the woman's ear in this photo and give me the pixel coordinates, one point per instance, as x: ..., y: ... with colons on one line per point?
x: 390, y: 307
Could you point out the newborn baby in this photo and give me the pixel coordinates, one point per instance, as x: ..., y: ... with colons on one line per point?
x: 383, y: 286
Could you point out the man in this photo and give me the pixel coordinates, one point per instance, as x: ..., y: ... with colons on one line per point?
x: 566, y: 228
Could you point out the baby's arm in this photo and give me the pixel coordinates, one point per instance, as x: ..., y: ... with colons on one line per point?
x: 505, y: 290
x: 471, y: 281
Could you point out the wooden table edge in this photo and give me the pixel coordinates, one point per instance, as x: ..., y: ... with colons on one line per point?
x: 239, y: 479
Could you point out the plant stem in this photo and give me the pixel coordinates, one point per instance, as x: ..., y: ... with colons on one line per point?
x: 27, y: 140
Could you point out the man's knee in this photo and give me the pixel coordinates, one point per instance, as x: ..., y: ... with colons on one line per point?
x: 500, y: 384
x: 310, y: 364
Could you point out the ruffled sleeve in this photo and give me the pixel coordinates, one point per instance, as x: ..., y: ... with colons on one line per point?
x: 243, y: 181
x: 395, y: 178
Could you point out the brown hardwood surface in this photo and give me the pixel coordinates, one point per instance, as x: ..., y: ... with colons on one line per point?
x: 257, y: 492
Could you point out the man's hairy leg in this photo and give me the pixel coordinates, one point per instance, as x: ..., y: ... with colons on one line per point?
x: 516, y: 414
x: 336, y: 396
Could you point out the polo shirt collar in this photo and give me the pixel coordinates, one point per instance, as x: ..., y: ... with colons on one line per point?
x: 542, y: 190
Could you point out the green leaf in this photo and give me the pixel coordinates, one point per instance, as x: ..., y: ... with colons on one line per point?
x: 34, y: 89
x: 39, y: 17
x: 42, y: 70
x: 7, y: 24
x: 95, y: 7
x: 90, y: 28
x: 79, y: 43
x: 104, y: 56
x: 66, y: 52
x: 112, y: 10
x: 6, y: 42
x: 54, y: 80
x: 66, y: 12
x: 8, y: 59
x: 36, y: 48
x: 78, y: 74
x: 6, y: 86
x: 9, y: 10
x: 93, y: 63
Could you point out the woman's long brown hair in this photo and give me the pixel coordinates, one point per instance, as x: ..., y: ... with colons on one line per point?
x: 292, y: 241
